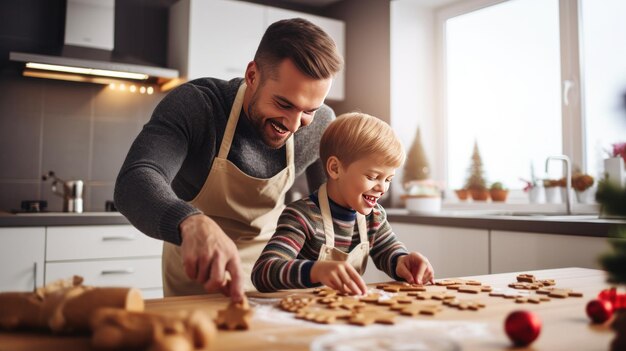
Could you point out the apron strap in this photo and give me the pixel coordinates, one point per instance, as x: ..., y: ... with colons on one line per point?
x: 290, y: 159
x: 233, y: 118
x: 327, y: 219
x: 362, y: 227
x: 329, y: 231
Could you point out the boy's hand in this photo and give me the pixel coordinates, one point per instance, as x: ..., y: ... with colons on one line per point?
x: 415, y: 269
x: 338, y: 275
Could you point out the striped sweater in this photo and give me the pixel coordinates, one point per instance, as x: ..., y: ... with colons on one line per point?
x: 288, y: 257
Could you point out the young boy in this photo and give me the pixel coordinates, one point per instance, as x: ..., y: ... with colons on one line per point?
x: 326, y: 237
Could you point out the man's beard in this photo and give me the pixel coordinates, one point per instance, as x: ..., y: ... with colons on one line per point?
x: 258, y: 122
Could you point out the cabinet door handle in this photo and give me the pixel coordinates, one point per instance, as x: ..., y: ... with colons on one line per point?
x: 118, y: 271
x: 34, y: 276
x: 129, y: 237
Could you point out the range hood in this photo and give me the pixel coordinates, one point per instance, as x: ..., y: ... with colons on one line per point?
x: 88, y: 55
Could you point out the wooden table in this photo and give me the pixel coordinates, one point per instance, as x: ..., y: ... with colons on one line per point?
x: 565, y: 324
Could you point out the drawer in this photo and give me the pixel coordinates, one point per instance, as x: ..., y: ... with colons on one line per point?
x: 143, y: 273
x: 94, y: 242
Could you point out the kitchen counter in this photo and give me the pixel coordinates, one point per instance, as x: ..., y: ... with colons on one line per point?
x: 586, y: 225
x: 564, y: 323
x: 46, y: 219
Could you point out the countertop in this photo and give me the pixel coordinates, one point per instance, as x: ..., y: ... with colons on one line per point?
x: 564, y: 323
x: 45, y: 219
x: 586, y: 225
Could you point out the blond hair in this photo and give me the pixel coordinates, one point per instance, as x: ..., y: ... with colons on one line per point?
x: 356, y: 135
x: 311, y: 49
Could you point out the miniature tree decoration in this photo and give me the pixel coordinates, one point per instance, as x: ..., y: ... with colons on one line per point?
x: 476, y: 183
x: 613, y: 200
x: 476, y: 179
x: 417, y: 166
x: 422, y: 194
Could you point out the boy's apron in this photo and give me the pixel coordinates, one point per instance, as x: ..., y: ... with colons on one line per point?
x: 357, y: 258
x: 245, y: 207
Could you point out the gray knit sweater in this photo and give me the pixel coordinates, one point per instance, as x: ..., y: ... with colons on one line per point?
x: 170, y: 160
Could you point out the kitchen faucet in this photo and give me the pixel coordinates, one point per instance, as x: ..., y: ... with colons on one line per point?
x: 568, y: 179
x: 72, y: 192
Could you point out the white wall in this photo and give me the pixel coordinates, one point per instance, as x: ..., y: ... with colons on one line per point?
x: 412, y: 81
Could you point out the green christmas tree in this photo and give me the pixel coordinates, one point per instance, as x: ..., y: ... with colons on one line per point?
x: 476, y: 179
x: 417, y: 166
x: 613, y: 200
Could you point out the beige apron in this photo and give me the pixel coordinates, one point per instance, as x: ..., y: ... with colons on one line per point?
x: 357, y: 258
x: 245, y: 207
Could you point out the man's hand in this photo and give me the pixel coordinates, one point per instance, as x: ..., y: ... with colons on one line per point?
x: 338, y: 275
x: 208, y: 253
x: 415, y: 269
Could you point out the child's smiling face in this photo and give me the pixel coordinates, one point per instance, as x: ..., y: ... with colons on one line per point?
x: 361, y: 184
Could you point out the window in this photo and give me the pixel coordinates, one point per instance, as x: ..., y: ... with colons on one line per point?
x: 503, y: 89
x: 511, y: 72
x: 604, y: 76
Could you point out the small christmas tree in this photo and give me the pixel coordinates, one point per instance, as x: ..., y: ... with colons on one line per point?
x: 476, y: 179
x: 613, y: 200
x: 417, y: 166
x: 417, y: 181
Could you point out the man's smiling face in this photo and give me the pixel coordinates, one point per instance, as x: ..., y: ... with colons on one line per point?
x: 280, y: 103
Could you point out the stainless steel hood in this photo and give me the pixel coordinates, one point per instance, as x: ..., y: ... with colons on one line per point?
x: 87, y: 55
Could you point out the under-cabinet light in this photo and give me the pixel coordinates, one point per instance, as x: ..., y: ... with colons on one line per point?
x: 87, y: 71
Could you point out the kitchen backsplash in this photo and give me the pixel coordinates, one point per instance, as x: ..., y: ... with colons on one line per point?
x: 80, y: 131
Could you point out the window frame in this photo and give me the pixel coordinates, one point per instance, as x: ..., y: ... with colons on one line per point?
x: 571, y: 85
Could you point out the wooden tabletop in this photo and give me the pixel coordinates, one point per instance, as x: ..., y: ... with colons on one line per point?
x: 565, y: 323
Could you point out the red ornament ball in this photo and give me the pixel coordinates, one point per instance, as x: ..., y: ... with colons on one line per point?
x: 599, y: 311
x: 522, y: 327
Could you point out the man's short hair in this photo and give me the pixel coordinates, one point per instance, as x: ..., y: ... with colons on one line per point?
x: 312, y: 50
x: 355, y: 135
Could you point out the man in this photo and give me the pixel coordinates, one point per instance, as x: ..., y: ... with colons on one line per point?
x: 209, y: 172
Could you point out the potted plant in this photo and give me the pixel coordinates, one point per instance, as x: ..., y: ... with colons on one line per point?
x: 476, y: 183
x: 422, y: 194
x: 553, y: 191
x: 613, y: 200
x: 498, y: 192
x: 615, y: 165
x: 532, y: 187
x: 462, y: 194
x: 583, y: 183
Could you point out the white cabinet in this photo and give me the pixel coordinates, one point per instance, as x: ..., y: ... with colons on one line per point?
x: 21, y: 258
x: 453, y: 252
x: 218, y: 38
x: 115, y: 255
x: 143, y: 273
x: 519, y: 251
x: 97, y: 242
x: 214, y: 38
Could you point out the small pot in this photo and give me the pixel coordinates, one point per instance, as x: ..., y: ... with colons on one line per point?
x: 479, y: 194
x: 536, y: 195
x: 462, y: 194
x: 553, y: 195
x: 423, y: 204
x: 498, y: 195
x: 587, y: 196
